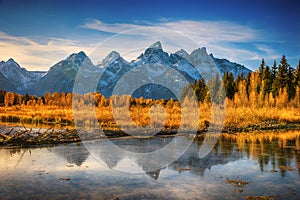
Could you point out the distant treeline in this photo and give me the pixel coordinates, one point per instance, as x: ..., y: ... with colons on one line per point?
x: 276, y: 86
x: 65, y: 99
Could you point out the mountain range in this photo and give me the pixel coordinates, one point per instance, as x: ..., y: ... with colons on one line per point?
x: 61, y: 76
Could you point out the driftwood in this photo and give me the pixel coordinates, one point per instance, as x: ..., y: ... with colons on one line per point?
x: 25, y: 137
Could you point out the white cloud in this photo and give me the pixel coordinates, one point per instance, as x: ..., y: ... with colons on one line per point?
x: 111, y: 28
x: 270, y: 52
x: 221, y: 38
x: 204, y: 31
x: 208, y: 30
x: 34, y: 55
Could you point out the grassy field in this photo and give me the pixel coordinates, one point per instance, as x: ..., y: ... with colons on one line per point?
x: 238, y: 118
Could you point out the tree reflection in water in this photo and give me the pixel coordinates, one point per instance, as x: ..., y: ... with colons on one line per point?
x: 273, y: 151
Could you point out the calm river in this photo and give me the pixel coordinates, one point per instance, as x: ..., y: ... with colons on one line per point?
x: 238, y: 167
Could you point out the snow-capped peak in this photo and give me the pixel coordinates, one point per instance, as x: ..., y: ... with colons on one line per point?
x: 155, y: 54
x: 110, y: 58
x: 183, y: 54
x: 19, y: 77
x: 10, y: 63
x: 156, y: 45
x: 60, y: 76
x: 199, y: 52
x: 77, y: 56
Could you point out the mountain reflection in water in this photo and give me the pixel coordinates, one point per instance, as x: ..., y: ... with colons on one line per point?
x: 269, y: 161
x: 278, y: 149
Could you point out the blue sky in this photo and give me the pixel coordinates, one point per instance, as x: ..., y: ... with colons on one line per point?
x: 38, y: 33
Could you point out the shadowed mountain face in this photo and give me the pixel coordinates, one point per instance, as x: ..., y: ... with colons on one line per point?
x: 16, y: 79
x: 6, y: 84
x: 155, y: 62
x: 61, y: 76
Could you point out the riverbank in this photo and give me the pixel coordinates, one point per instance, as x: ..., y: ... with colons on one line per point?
x: 22, y: 136
x: 16, y: 136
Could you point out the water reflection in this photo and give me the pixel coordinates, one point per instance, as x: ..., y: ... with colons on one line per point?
x: 77, y: 154
x: 222, y: 153
x: 278, y: 151
x: 269, y: 161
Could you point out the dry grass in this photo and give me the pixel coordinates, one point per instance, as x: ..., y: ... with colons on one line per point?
x: 244, y: 116
x: 36, y: 115
x: 169, y: 117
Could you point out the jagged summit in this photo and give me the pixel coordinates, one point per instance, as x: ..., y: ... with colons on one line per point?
x: 156, y: 45
x: 199, y: 52
x: 182, y: 53
x: 11, y: 60
x: 18, y: 77
x: 61, y: 76
x: 9, y: 63
x: 110, y: 58
x: 77, y: 56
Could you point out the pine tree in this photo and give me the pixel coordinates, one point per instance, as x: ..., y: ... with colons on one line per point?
x: 297, y: 75
x: 267, y: 81
x: 261, y: 68
x: 290, y: 87
x: 248, y: 77
x: 200, y: 89
x: 283, y: 71
x: 280, y: 81
x: 274, y: 71
x: 229, y: 84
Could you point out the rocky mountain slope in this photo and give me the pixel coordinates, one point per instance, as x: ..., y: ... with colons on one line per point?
x: 152, y: 66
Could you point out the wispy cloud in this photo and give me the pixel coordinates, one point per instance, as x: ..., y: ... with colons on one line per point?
x: 37, y: 55
x: 209, y: 30
x: 268, y: 51
x: 222, y: 38
x: 111, y: 28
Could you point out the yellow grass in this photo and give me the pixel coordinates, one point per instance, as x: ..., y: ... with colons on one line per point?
x: 243, y: 116
x: 238, y: 117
